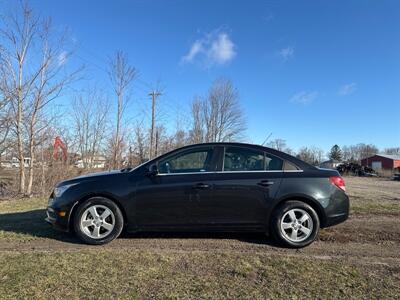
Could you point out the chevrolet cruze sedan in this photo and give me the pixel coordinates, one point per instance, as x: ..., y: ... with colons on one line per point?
x: 205, y: 187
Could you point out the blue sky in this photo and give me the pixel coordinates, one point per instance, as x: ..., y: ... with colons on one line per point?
x: 310, y: 72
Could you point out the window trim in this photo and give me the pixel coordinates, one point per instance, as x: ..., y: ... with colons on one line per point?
x: 231, y: 172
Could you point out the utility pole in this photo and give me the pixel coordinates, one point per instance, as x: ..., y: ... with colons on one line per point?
x: 154, y: 96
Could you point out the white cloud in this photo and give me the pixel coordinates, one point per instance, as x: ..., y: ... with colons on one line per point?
x: 62, y: 58
x: 347, y: 89
x: 304, y: 97
x: 196, y: 48
x: 286, y: 53
x: 222, y: 49
x: 215, y: 48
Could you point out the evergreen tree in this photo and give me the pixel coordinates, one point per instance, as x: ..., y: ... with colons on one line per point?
x: 336, y: 153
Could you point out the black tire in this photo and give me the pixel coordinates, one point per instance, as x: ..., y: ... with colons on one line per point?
x: 283, y: 211
x: 112, y: 234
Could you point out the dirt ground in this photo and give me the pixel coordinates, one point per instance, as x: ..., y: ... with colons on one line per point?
x: 369, y: 240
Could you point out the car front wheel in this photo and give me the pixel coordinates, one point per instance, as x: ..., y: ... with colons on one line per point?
x: 98, y: 221
x: 295, y: 224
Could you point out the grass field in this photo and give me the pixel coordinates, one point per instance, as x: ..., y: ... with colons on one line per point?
x: 358, y: 259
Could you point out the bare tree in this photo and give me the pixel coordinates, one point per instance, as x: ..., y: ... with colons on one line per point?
x: 33, y: 60
x: 219, y: 116
x: 140, y: 141
x: 392, y: 151
x: 5, y: 122
x: 90, y: 112
x: 223, y: 115
x: 280, y: 145
x: 356, y: 153
x: 311, y: 155
x: 50, y: 83
x: 347, y: 152
x: 196, y: 134
x: 18, y: 32
x: 121, y: 75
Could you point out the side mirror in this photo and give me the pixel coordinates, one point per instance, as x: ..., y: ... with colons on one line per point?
x: 153, y: 170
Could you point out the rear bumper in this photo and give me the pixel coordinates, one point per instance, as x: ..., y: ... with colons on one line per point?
x: 336, y: 219
x: 338, y: 211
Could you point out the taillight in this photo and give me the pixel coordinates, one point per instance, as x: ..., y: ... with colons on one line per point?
x: 338, y: 181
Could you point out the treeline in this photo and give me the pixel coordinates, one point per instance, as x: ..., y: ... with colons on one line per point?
x: 347, y: 153
x: 35, y: 72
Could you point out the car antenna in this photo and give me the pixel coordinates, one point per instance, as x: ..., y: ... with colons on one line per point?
x: 266, y: 140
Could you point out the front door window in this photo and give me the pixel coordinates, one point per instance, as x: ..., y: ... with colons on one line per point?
x: 194, y: 161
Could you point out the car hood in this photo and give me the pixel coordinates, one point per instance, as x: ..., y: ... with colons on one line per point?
x: 91, y: 176
x: 98, y: 174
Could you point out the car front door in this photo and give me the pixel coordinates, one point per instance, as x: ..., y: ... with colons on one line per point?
x: 166, y: 199
x: 242, y: 189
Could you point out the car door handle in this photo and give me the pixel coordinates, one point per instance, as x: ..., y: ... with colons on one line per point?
x: 265, y: 183
x: 201, y: 186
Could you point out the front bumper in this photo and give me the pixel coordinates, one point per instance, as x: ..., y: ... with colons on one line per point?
x: 59, y: 223
x: 58, y: 215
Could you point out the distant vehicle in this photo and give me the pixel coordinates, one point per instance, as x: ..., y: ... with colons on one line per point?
x: 93, y: 162
x: 205, y: 187
x: 14, y: 163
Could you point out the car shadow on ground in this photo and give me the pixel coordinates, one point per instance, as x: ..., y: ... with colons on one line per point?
x: 32, y: 223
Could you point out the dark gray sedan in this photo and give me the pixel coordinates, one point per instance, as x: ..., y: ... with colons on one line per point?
x: 204, y: 187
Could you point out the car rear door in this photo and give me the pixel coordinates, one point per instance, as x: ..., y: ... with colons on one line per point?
x: 243, y: 188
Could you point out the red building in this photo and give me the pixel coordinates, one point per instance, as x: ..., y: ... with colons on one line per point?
x: 381, y: 162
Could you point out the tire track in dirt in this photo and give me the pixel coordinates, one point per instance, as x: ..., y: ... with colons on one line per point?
x: 362, y: 239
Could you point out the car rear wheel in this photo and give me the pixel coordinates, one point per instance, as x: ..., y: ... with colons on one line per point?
x: 295, y: 224
x: 98, y: 221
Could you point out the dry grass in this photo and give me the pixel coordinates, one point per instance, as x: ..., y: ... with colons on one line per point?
x: 358, y: 259
x: 129, y: 274
x: 20, y: 205
x: 378, y: 196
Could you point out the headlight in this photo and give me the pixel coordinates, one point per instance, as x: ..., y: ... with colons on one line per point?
x: 58, y: 191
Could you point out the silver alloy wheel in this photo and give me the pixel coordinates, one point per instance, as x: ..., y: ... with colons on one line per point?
x: 296, y: 225
x: 97, y: 221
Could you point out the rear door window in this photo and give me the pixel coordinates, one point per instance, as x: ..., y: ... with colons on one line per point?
x: 243, y: 159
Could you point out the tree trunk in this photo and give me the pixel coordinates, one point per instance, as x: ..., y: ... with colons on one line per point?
x: 31, y: 171
x: 117, y: 133
x: 19, y: 136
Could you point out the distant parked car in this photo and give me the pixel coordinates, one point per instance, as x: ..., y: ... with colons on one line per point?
x: 204, y: 187
x: 14, y: 163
